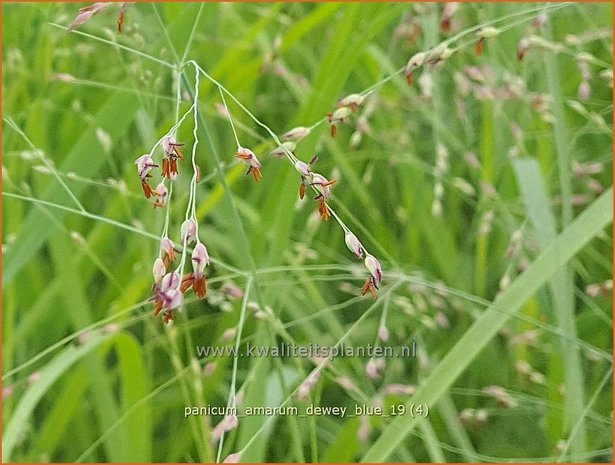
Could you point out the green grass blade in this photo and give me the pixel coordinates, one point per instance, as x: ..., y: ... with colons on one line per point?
x: 85, y: 158
x: 561, y: 288
x: 586, y: 226
x: 48, y: 376
x: 134, y: 386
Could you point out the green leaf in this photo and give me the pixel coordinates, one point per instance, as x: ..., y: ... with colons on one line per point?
x: 561, y: 288
x: 48, y: 376
x: 85, y: 158
x: 585, y: 227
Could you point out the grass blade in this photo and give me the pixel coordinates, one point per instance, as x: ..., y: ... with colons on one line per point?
x: 586, y: 226
x: 48, y: 376
x: 562, y: 295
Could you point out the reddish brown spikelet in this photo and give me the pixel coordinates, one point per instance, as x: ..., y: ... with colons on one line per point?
x: 186, y: 282
x: 120, y: 23
x: 369, y: 287
x: 147, y: 189
x: 480, y: 46
x: 323, y: 209
x: 333, y: 130
x: 409, y: 78
x: 199, y: 286
x: 86, y: 13
x: 177, y: 151
x: 121, y: 16
x: 169, y: 167
x: 522, y: 48
x: 445, y: 25
x: 257, y: 174
x: 168, y: 316
x: 168, y: 258
x: 157, y: 307
x: 165, y: 168
x: 302, y: 190
x: 417, y: 30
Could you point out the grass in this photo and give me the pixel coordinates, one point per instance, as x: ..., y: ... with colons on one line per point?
x: 484, y: 189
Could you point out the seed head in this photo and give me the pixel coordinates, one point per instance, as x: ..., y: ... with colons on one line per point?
x: 438, y: 54
x: 168, y: 248
x: 282, y: 150
x: 522, y: 48
x: 303, y: 168
x: 145, y: 163
x: 233, y: 458
x: 158, y: 270
x: 169, y: 281
x: 297, y: 133
x: 415, y: 61
x: 487, y: 32
x: 175, y: 299
x: 121, y: 16
x: 373, y: 266
x: 162, y: 194
x: 86, y: 13
x: 228, y: 423
x: 383, y: 333
x: 323, y: 184
x: 254, y: 166
x: 374, y: 368
x: 167, y: 297
x: 352, y: 101
x: 354, y: 245
x: 584, y: 91
x: 171, y: 147
x: 307, y: 385
x: 188, y: 231
x: 340, y: 115
x: 447, y: 14
x: 200, y: 259
x: 396, y: 389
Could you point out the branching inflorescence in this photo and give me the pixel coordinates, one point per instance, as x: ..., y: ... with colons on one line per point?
x: 170, y: 286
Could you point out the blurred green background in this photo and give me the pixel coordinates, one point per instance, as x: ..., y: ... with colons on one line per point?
x: 484, y: 189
